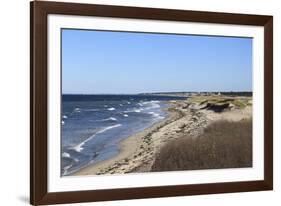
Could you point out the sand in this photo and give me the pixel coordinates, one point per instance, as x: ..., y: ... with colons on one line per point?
x: 137, y: 152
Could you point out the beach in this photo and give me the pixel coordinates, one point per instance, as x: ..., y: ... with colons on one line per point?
x: 187, y: 117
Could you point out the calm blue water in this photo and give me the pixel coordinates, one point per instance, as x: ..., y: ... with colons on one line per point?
x: 92, y: 125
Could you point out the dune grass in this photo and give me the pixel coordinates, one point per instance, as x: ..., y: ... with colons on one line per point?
x: 223, y: 144
x: 238, y: 102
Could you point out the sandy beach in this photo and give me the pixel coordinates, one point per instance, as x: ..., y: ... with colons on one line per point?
x: 186, y: 117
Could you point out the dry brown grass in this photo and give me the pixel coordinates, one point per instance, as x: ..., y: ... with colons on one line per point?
x: 222, y: 145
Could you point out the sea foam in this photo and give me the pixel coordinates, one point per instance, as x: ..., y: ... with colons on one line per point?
x: 79, y: 147
x: 109, y: 119
x: 66, y: 155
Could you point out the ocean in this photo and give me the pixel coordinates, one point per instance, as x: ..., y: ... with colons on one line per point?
x: 92, y: 125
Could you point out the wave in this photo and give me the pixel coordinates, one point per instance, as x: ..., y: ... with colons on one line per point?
x: 64, y: 117
x: 153, y: 105
x: 108, y: 119
x: 134, y: 110
x: 77, y: 109
x: 156, y: 115
x: 66, y: 168
x: 111, y: 109
x: 90, y: 110
x: 66, y: 155
x: 104, y: 120
x: 148, y: 105
x: 62, y: 122
x: 79, y: 147
x: 125, y: 115
x: 108, y: 128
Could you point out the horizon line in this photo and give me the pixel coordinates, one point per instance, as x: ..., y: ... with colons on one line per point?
x: 138, y: 93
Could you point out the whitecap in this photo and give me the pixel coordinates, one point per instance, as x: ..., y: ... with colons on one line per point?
x: 62, y: 122
x: 66, y: 155
x: 77, y: 109
x: 79, y: 147
x: 64, y: 117
x: 90, y: 110
x: 154, y: 114
x: 125, y: 115
x: 66, y: 168
x: 108, y: 128
x: 111, y: 109
x: 134, y: 110
x: 109, y: 119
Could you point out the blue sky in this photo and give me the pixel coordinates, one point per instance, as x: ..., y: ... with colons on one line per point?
x: 95, y: 62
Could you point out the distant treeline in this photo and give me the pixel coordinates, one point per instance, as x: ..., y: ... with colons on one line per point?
x: 247, y: 94
x: 240, y: 93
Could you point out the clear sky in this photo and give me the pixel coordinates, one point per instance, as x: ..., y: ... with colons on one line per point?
x: 98, y: 62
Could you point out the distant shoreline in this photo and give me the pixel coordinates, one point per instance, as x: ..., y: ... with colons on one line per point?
x: 186, y: 93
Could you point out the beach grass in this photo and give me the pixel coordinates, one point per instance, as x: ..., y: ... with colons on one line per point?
x: 223, y: 144
x: 239, y: 103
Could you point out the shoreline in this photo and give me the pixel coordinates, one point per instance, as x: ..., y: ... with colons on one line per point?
x: 137, y: 152
x: 128, y: 146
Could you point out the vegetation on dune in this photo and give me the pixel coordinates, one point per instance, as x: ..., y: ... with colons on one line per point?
x: 217, y: 100
x: 223, y: 144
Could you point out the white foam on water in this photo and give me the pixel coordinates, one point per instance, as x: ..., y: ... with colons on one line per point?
x: 90, y: 110
x: 154, y: 114
x: 62, y: 122
x: 111, y: 109
x: 66, y: 168
x: 79, y: 147
x: 66, y: 155
x: 64, y: 117
x: 108, y: 128
x: 134, y: 110
x: 109, y: 119
x: 153, y: 105
x: 125, y: 115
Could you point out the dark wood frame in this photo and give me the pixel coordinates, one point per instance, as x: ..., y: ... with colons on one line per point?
x: 38, y: 102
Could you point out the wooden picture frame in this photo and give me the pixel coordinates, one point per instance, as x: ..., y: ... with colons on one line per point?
x: 39, y: 95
